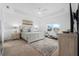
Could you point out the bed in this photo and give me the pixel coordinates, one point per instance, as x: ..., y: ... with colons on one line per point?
x: 28, y: 33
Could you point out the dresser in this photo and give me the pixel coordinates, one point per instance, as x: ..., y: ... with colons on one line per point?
x: 67, y: 44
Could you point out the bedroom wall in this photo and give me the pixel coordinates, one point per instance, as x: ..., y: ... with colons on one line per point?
x: 61, y: 17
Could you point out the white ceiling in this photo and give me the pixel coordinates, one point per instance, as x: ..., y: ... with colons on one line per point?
x: 33, y: 8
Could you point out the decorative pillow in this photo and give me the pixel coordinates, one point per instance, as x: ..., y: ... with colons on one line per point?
x: 34, y: 29
x: 26, y: 28
x: 52, y: 33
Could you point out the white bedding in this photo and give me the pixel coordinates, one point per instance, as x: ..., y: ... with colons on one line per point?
x: 32, y: 36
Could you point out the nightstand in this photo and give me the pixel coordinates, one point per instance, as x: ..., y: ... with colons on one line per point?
x: 15, y: 35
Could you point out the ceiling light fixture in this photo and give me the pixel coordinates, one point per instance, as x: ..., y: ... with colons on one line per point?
x: 7, y: 6
x: 39, y: 11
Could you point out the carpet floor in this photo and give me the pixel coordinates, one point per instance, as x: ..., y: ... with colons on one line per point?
x: 22, y: 48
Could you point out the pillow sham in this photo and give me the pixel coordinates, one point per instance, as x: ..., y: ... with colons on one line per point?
x: 26, y: 28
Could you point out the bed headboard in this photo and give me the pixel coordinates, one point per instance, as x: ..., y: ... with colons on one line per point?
x: 27, y: 22
x: 26, y: 25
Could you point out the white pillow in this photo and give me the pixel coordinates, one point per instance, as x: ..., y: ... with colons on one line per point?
x: 52, y: 33
x: 34, y: 29
x: 26, y: 27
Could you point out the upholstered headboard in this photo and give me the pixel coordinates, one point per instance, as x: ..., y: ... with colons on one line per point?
x: 26, y: 25
x: 27, y: 22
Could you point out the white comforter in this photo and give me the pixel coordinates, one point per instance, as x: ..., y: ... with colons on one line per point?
x: 32, y: 36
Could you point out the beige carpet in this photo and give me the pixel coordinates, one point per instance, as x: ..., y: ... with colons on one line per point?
x: 19, y: 48
x: 22, y: 48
